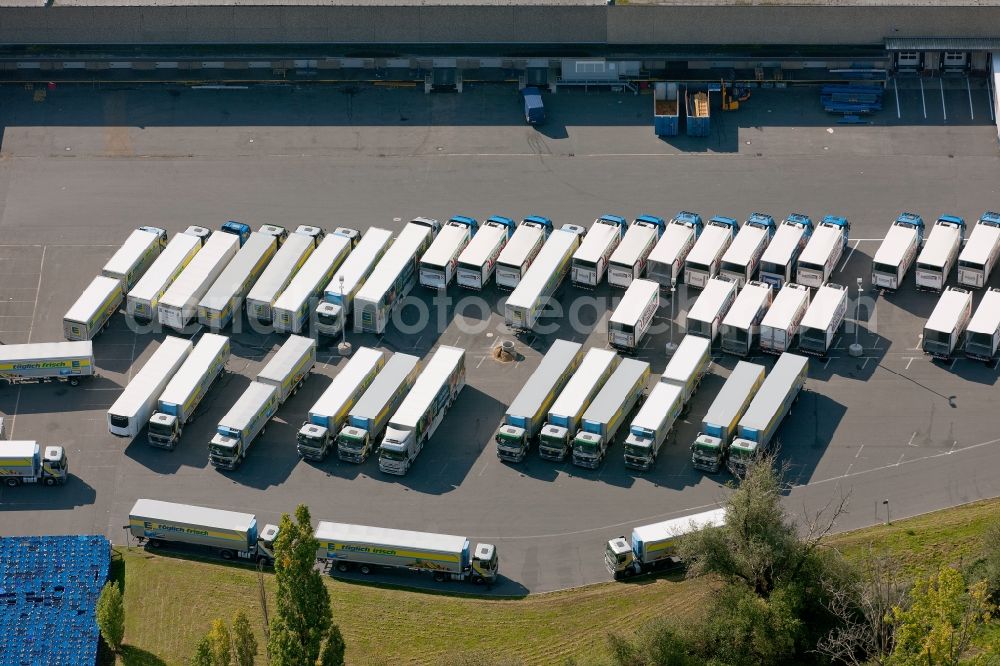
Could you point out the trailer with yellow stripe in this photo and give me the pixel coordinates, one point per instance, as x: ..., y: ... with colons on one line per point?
x: 655, y: 546
x: 91, y: 312
x: 43, y: 361
x: 25, y: 462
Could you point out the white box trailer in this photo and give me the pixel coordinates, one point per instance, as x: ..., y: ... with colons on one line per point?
x: 706, y: 315
x: 778, y: 263
x: 242, y: 424
x: 536, y: 287
x: 824, y: 250
x: 478, y: 260
x: 983, y: 332
x: 652, y: 425
x: 632, y: 318
x: 979, y: 256
x: 665, y: 264
x: 742, y: 258
x: 439, y: 264
x: 945, y: 328
x: 688, y: 365
x: 224, y: 299
x: 521, y: 250
x: 179, y: 305
x: 935, y: 261
x: 822, y: 319
x: 131, y: 411
x: 590, y: 261
x: 91, y: 312
x: 608, y: 412
x: 655, y: 546
x: 44, y: 361
x: 423, y: 410
x: 131, y: 261
x: 332, y: 312
x: 290, y: 312
x: 142, y: 301
x: 26, y: 462
x: 290, y: 366
x: 705, y: 258
x: 711, y: 446
x: 741, y: 325
x: 781, y: 323
x: 287, y: 261
x: 898, y: 251
x: 566, y: 412
x: 629, y: 260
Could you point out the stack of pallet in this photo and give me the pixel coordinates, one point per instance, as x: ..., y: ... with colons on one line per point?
x: 701, y: 105
x: 851, y: 99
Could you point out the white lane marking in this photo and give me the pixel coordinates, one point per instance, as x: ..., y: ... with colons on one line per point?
x: 480, y: 362
x: 896, y: 89
x: 484, y: 468
x: 952, y: 366
x: 865, y: 364
x: 920, y: 337
x: 849, y: 467
x: 900, y: 461
x: 849, y: 255
x: 912, y: 437
x: 38, y: 291
x: 943, y: 109
x: 860, y: 449
x: 968, y: 88
x: 923, y: 98
x: 911, y: 360
x: 828, y: 359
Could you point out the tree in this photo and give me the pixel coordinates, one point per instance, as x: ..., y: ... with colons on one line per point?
x: 659, y: 643
x: 244, y: 642
x: 203, y: 653
x: 111, y: 615
x: 987, y: 567
x: 333, y: 649
x: 221, y: 642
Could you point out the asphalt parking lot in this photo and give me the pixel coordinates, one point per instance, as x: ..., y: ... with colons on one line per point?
x: 82, y: 168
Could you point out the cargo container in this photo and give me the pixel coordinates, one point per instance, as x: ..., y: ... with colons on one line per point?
x: 741, y: 325
x: 977, y: 259
x: 898, y: 250
x: 703, y: 262
x: 706, y: 315
x: 983, y: 332
x: 567, y: 410
x: 781, y: 323
x: 287, y: 261
x: 698, y: 112
x: 242, y: 424
x: 778, y: 263
x: 25, y: 462
x: 45, y: 361
x: 711, y: 446
x: 142, y: 301
x: 526, y: 415
x: 824, y: 250
x: 439, y: 263
x: 224, y: 299
x: 590, y: 261
x: 652, y: 425
x: 478, y: 260
x: 688, y: 365
x: 666, y: 114
x: 666, y: 262
x: 822, y: 319
x: 742, y: 258
x: 135, y: 405
x: 945, y: 329
x: 608, y: 412
x: 290, y: 312
x: 91, y: 312
x: 521, y: 250
x: 131, y: 261
x: 629, y: 261
x: 332, y: 312
x: 935, y: 261
x: 654, y: 546
x: 178, y: 306
x: 368, y: 418
x: 534, y: 108
x: 633, y: 317
x: 540, y: 282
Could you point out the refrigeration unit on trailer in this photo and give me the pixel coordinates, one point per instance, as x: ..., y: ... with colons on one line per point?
x: 688, y: 365
x: 184, y: 392
x: 632, y: 318
x: 91, y: 312
x: 935, y: 261
x: 822, y: 319
x: 368, y: 418
x: 131, y: 411
x: 706, y: 315
x: 521, y: 250
x: 652, y: 425
x: 178, y: 306
x: 979, y: 256
x: 478, y: 260
x: 25, y: 462
x: 287, y: 261
x: 666, y: 262
x: 608, y: 412
x: 47, y: 361
x: 628, y: 262
x: 945, y: 328
x: 781, y: 323
x: 654, y: 546
x: 741, y: 326
x: 393, y: 276
x: 564, y: 415
x: 423, y: 410
x: 326, y: 417
x: 524, y: 418
x: 290, y: 312
x: 778, y: 263
x: 224, y: 299
x: 711, y: 446
x: 540, y: 282
x: 142, y: 300
x: 825, y: 248
x: 983, y: 333
x: 338, y: 297
x: 705, y: 258
x: 742, y: 259
x: 898, y: 251
x: 590, y: 261
x: 439, y: 264
x: 131, y: 261
x: 239, y: 428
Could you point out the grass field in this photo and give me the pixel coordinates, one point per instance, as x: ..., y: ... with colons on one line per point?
x: 170, y: 603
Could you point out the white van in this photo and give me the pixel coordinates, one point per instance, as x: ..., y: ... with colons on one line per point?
x: 666, y: 262
x: 936, y: 260
x: 821, y: 321
x: 743, y: 257
x: 702, y: 263
x: 898, y: 250
x: 781, y: 323
x: 946, y: 325
x: 819, y: 260
x: 634, y: 315
x: 705, y: 317
x: 777, y: 265
x: 741, y: 326
x: 983, y: 333
x: 979, y: 256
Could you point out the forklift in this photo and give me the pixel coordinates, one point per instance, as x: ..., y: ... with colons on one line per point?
x: 733, y: 94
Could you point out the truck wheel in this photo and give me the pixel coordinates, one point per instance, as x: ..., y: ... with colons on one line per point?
x: 439, y: 577
x: 155, y: 543
x: 74, y: 382
x: 227, y: 555
x: 478, y: 580
x: 50, y: 481
x: 365, y: 569
x: 12, y: 482
x: 342, y: 567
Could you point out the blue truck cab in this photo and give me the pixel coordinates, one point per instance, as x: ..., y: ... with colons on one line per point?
x: 845, y: 226
x: 499, y: 220
x: 762, y: 221
x: 692, y: 220
x: 534, y: 109
x: 238, y: 229
x: 652, y: 222
x: 913, y: 221
x: 958, y: 222
x: 466, y: 221
x: 723, y: 221
x: 543, y: 223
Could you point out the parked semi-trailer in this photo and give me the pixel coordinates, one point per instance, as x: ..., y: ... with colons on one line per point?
x: 290, y: 312
x: 26, y: 462
x: 370, y: 415
x: 439, y: 263
x: 590, y: 261
x: 447, y: 557
x: 135, y: 405
x: 185, y: 391
x: 778, y: 263
x: 705, y: 258
x: 536, y: 287
x: 393, y: 276
x: 178, y: 306
x: 898, y: 251
x: 741, y: 325
x: 332, y: 312
x: 526, y: 415
x: 224, y: 299
x: 742, y: 258
x: 46, y: 361
x: 945, y: 328
x: 91, y: 312
x: 706, y: 315
x: 983, y: 332
x: 142, y: 300
x: 935, y: 261
x: 655, y: 546
x: 567, y: 410
x: 781, y: 323
x: 478, y: 260
x: 319, y: 433
x: 979, y: 256
x: 825, y: 248
x: 629, y: 260
x: 423, y: 410
x: 287, y: 261
x: 822, y: 319
x: 521, y: 250
x: 131, y: 261
x: 710, y: 448
x: 688, y: 365
x: 652, y: 425
x: 666, y: 262
x: 230, y: 534
x: 608, y: 412
x: 632, y: 318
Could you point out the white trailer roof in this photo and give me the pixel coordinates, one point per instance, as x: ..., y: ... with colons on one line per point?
x: 636, y: 239
x: 730, y: 398
x: 747, y: 240
x: 160, y: 364
x: 426, y: 388
x: 939, y: 244
x: 748, y: 302
x: 359, y: 262
x: 386, y: 382
x: 347, y: 381
x: 519, y: 245
x: 189, y: 375
x: 134, y: 247
x: 282, y: 265
x: 170, y: 512
x: 949, y: 309
x: 669, y: 246
x: 311, y: 277
x: 482, y: 244
x: 17, y: 448
x: 686, y: 358
x: 545, y: 376
x: 824, y: 304
x: 246, y: 407
x: 173, y: 254
x: 980, y: 243
x: 676, y: 527
x: 211, y: 259
x: 443, y: 249
x: 893, y: 247
x: 39, y: 350
x: 821, y: 245
x: 233, y: 275
x: 657, y: 405
x: 96, y: 293
x: 609, y: 399
x: 987, y: 317
x: 389, y: 538
x: 391, y: 265
x: 596, y: 241
x: 709, y: 244
x: 711, y: 299
x: 636, y: 298
x: 781, y: 247
x: 294, y: 348
x: 552, y: 254
x: 579, y: 386
x: 773, y: 391
x: 785, y: 305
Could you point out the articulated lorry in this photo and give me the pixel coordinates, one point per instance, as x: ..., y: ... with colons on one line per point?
x: 898, y: 251
x: 652, y: 425
x: 665, y: 264
x: 706, y: 315
x: 319, y: 433
x: 822, y: 319
x: 705, y: 258
x: 654, y: 546
x: 741, y: 325
x: 945, y: 328
x: 142, y: 300
x: 826, y: 246
x: 742, y: 258
x: 178, y: 306
x: 182, y: 396
x: 629, y: 260
x: 91, y: 312
x: 25, y: 462
x: 368, y: 418
x: 423, y: 410
x: 439, y: 264
x: 332, y: 312
x: 710, y: 448
x: 590, y: 260
x: 47, y: 361
x: 983, y: 333
x: 979, y: 256
x: 524, y: 307
x: 478, y: 260
x: 295, y: 250
x: 131, y: 261
x: 935, y: 261
x: 224, y: 299
x: 767, y: 410
x: 366, y: 548
x: 229, y: 534
x: 608, y: 412
x: 567, y: 410
x: 781, y: 323
x: 688, y: 366
x: 633, y: 317
x: 521, y: 250
x: 136, y: 404
x: 778, y: 263
x: 290, y: 312
x: 526, y: 415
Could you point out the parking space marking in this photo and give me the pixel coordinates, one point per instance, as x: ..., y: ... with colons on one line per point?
x: 849, y: 255
x: 968, y: 88
x: 944, y: 110
x: 912, y: 437
x: 860, y: 449
x: 952, y: 366
x: 899, y: 113
x: 480, y: 362
x: 923, y: 98
x: 911, y: 360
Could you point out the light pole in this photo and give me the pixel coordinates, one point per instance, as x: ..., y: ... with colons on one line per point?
x: 885, y: 503
x: 856, y: 349
x: 670, y: 346
x: 344, y: 348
